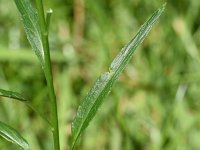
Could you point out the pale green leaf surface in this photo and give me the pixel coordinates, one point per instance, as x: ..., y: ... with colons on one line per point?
x: 31, y: 25
x: 102, y: 86
x: 11, y: 94
x: 13, y: 136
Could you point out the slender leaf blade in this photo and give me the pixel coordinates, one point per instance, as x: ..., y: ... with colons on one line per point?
x: 11, y: 94
x: 13, y: 136
x: 19, y: 97
x: 31, y: 25
x: 103, y: 85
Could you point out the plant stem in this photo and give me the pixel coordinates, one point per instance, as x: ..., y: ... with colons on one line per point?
x: 48, y: 73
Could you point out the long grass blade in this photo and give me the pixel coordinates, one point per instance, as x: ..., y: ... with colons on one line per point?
x: 103, y: 85
x: 13, y: 95
x: 13, y: 136
x: 19, y: 97
x: 31, y: 25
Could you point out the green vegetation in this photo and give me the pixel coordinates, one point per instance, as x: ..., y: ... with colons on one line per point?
x: 153, y: 105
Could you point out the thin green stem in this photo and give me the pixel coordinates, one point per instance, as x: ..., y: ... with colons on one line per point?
x: 48, y: 73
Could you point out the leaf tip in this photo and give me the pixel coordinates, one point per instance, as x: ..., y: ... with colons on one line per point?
x: 163, y: 7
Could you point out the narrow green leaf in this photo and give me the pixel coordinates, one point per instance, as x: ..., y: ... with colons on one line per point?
x: 19, y: 97
x: 13, y: 136
x: 11, y: 94
x: 31, y: 25
x: 102, y: 86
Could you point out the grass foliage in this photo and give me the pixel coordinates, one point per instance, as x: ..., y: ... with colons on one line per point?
x: 155, y: 103
x: 14, y: 137
x: 103, y: 85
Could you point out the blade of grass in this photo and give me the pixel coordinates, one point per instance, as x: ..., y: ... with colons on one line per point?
x: 37, y: 32
x: 103, y: 85
x: 31, y: 25
x: 13, y: 136
x: 19, y: 97
x: 13, y: 95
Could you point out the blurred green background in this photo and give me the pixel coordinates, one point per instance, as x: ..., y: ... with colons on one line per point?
x: 156, y: 102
